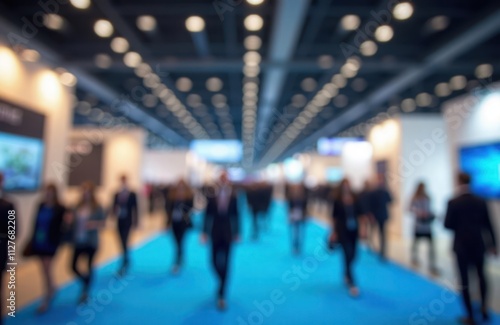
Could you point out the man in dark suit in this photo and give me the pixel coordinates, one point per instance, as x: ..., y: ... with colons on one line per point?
x: 5, y: 207
x: 221, y: 223
x: 468, y: 217
x: 125, y: 209
x: 380, y: 198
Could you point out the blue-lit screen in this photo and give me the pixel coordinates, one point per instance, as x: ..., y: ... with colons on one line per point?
x: 21, y: 161
x: 483, y: 164
x: 333, y: 146
x: 218, y: 151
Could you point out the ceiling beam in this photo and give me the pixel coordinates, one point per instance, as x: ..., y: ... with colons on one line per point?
x: 319, y: 12
x: 287, y: 25
x: 485, y: 26
x: 298, y: 66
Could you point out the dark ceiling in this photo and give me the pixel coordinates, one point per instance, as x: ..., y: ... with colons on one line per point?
x: 297, y: 45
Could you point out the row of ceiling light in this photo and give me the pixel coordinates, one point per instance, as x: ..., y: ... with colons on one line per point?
x: 251, y: 70
x: 330, y: 91
x: 424, y: 99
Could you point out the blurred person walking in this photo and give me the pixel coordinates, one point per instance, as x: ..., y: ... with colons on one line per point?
x: 296, y: 197
x: 46, y: 236
x: 221, y: 223
x: 420, y: 206
x: 348, y: 224
x: 179, y: 205
x: 86, y: 219
x: 253, y: 202
x: 468, y: 217
x: 126, y: 212
x: 380, y: 199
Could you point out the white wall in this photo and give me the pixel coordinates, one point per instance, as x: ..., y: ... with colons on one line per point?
x: 471, y: 121
x: 424, y: 150
x: 164, y: 166
x: 36, y: 87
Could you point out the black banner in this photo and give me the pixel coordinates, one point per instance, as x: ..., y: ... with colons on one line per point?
x: 18, y: 120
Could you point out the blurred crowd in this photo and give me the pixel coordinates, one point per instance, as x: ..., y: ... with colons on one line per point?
x: 353, y: 217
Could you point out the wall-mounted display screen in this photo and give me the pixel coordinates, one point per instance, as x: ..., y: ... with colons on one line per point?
x: 334, y: 146
x: 483, y: 164
x: 21, y: 161
x: 218, y: 151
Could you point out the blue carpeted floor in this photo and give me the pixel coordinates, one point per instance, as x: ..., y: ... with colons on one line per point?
x: 267, y: 286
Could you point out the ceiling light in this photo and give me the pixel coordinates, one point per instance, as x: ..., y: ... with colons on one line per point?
x: 458, y: 82
x: 255, y: 2
x: 195, y: 24
x: 132, y: 59
x: 299, y: 100
x: 384, y: 33
x: 402, y: 11
x: 53, y: 21
x: 103, y: 61
x: 252, y: 58
x: 103, y: 28
x: 308, y: 84
x: 142, y: 70
x: 339, y: 80
x: 331, y: 89
x: 146, y: 23
x: 219, y: 100
x: 250, y: 86
x: 83, y: 108
x: 350, y: 22
x: 253, y: 23
x: 439, y: 23
x: 29, y: 55
x: 184, y: 84
x: 424, y: 99
x: 150, y: 100
x: 484, y: 71
x: 251, y: 71
x: 368, y: 48
x: 151, y: 80
x: 325, y: 61
x: 214, y: 84
x: 347, y: 71
x: 252, y: 42
x: 408, y: 105
x: 442, y: 89
x: 80, y: 4
x: 119, y: 45
x: 340, y: 101
x: 193, y: 100
x: 68, y: 79
x: 358, y: 84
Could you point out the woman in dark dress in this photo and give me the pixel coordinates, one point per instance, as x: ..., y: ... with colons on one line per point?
x: 347, y: 220
x: 178, y: 207
x: 47, y: 234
